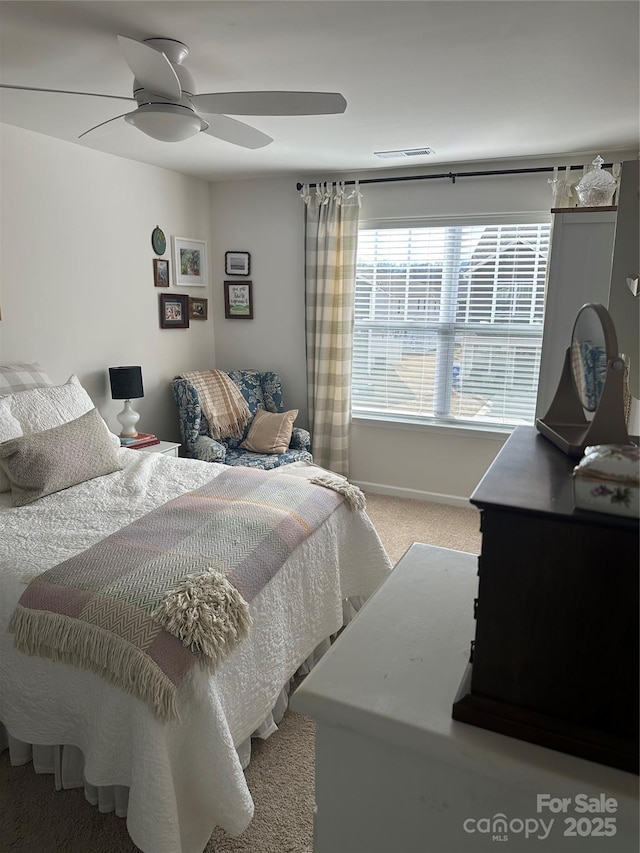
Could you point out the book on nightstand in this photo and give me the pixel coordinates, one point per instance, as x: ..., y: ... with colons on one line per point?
x: 143, y: 439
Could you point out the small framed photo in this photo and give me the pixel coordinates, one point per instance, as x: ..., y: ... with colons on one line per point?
x: 237, y: 263
x: 189, y: 262
x: 160, y: 272
x: 174, y: 311
x: 238, y: 300
x: 197, y: 309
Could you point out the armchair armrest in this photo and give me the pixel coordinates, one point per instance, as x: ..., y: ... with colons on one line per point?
x: 190, y: 416
x: 209, y: 450
x: 300, y: 439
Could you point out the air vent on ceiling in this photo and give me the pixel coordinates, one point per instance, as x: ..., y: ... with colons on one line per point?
x: 407, y: 152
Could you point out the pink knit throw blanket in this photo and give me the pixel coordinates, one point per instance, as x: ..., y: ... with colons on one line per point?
x: 142, y: 606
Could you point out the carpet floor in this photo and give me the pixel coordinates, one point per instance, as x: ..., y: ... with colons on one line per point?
x: 34, y: 818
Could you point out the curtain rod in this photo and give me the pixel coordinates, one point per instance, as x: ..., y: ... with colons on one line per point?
x: 454, y: 175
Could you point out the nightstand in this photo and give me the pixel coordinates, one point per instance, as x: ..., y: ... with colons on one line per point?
x: 169, y: 448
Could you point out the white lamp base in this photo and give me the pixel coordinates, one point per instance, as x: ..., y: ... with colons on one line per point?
x: 128, y: 418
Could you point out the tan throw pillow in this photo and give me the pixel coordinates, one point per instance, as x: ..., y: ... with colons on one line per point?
x: 45, y: 462
x: 270, y: 432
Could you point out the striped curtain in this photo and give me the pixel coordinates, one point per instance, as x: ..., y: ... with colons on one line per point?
x: 331, y: 237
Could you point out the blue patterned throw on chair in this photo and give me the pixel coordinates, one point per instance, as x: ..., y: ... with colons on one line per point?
x: 259, y: 391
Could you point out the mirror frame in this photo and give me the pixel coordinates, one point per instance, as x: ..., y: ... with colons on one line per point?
x: 565, y: 423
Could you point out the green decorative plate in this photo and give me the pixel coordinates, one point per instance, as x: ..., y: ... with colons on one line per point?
x: 158, y: 241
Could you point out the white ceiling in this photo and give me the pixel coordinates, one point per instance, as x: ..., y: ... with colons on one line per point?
x: 472, y: 79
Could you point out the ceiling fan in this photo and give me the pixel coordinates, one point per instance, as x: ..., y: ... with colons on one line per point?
x: 170, y: 110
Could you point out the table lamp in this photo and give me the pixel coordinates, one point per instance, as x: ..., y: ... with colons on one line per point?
x: 126, y: 384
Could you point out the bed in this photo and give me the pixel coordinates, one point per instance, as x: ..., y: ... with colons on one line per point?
x: 175, y: 781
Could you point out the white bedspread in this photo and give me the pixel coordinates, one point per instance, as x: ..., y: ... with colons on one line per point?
x: 184, y: 777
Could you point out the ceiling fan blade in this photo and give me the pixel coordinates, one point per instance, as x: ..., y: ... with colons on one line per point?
x: 271, y: 103
x: 236, y: 132
x: 151, y: 68
x: 66, y: 92
x: 102, y: 124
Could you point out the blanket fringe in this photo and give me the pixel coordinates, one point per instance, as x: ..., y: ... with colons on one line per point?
x: 72, y: 641
x: 352, y: 494
x: 207, y: 614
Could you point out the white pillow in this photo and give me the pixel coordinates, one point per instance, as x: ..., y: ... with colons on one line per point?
x: 9, y: 428
x: 44, y: 408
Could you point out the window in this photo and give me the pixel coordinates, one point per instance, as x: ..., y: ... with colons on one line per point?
x: 448, y: 323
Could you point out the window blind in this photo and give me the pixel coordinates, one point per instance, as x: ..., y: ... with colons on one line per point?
x: 448, y: 322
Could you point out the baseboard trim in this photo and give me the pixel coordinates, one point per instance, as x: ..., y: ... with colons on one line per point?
x: 413, y: 494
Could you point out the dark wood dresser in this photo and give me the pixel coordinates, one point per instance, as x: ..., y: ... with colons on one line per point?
x: 555, y: 658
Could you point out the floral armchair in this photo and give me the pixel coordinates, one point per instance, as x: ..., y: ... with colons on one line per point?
x: 261, y: 391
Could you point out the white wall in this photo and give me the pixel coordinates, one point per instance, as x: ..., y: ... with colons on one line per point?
x: 264, y: 218
x: 76, y: 272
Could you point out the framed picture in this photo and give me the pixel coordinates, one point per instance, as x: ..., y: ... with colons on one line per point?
x: 189, y: 262
x: 197, y: 309
x: 160, y: 272
x: 237, y: 263
x: 174, y: 311
x: 238, y: 300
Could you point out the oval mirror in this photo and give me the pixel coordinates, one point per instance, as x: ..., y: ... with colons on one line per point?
x: 588, y: 406
x: 593, y: 343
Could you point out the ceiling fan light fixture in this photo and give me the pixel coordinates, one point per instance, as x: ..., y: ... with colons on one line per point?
x: 168, y: 106
x: 166, y: 122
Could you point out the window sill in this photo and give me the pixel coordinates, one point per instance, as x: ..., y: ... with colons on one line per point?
x: 484, y: 432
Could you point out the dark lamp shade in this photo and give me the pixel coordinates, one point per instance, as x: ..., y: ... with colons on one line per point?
x: 126, y: 383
